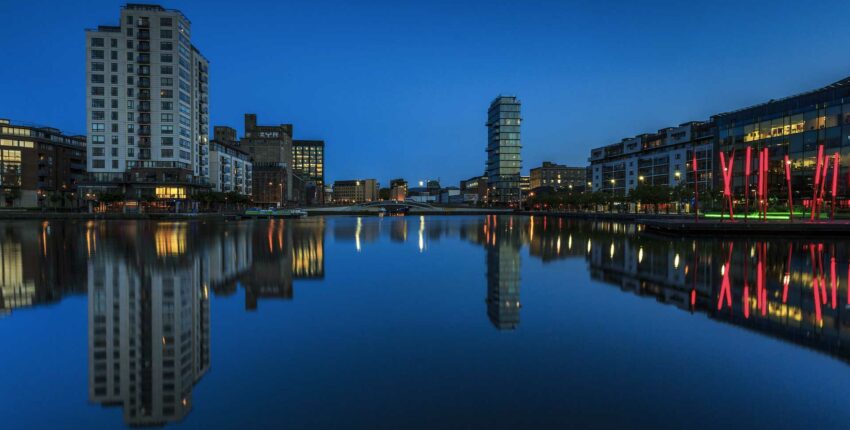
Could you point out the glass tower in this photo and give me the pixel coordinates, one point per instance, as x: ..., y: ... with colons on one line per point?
x: 503, y: 150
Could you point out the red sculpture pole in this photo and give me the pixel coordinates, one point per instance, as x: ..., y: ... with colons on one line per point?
x: 788, y: 179
x: 835, y: 170
x: 822, y: 193
x: 747, y: 170
x: 725, y: 187
x: 766, y: 177
x: 696, y: 186
x: 817, y: 182
x: 727, y: 180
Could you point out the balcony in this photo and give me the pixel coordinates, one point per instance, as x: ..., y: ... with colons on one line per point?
x: 143, y: 34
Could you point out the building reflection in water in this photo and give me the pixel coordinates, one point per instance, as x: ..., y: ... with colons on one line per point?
x: 149, y: 319
x: 39, y: 263
x: 148, y: 290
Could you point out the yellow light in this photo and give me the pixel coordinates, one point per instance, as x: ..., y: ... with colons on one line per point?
x: 640, y: 255
x: 676, y: 261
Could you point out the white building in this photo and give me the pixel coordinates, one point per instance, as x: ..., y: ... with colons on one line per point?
x: 662, y: 158
x: 230, y: 169
x: 146, y: 105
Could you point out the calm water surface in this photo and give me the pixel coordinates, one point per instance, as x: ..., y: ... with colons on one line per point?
x: 409, y: 322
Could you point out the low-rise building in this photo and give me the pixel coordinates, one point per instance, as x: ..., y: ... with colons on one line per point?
x: 40, y: 166
x: 474, y: 189
x: 398, y: 189
x: 559, y: 176
x: 661, y: 158
x: 355, y: 191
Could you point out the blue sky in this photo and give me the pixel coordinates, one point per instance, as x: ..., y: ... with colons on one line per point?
x: 401, y: 88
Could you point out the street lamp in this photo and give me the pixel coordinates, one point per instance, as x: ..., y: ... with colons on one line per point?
x: 678, y: 175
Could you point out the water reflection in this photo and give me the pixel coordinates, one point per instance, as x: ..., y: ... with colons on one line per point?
x: 148, y: 284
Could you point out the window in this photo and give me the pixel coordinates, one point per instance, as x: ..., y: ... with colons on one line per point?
x: 97, y: 91
x: 97, y: 42
x: 97, y: 152
x: 129, y: 32
x: 98, y: 164
x: 114, y: 152
x: 167, y: 153
x: 98, y: 139
x: 165, y: 46
x: 166, y: 94
x: 114, y: 140
x: 166, y: 82
x: 113, y: 80
x: 97, y: 54
x: 97, y: 115
x: 166, y: 129
x: 167, y: 105
x: 167, y: 117
x: 166, y: 58
x: 97, y: 79
x: 115, y: 127
x: 166, y: 70
x: 113, y: 55
x: 165, y: 34
x: 130, y: 80
x: 114, y: 91
x: 129, y: 20
x: 167, y: 141
x: 114, y: 67
x: 131, y: 140
x: 165, y: 22
x: 97, y: 126
x: 97, y: 67
x: 130, y: 104
x: 130, y: 116
x: 114, y: 164
x: 114, y: 103
x: 130, y: 44
x: 113, y: 43
x: 97, y: 103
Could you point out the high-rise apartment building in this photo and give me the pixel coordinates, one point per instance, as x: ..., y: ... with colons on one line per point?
x: 503, y: 150
x: 308, y: 162
x: 146, y: 105
x: 231, y: 169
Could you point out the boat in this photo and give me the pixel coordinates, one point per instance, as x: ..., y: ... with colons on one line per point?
x: 275, y: 213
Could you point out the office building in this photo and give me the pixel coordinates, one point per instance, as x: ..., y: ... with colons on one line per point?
x: 231, y: 168
x: 503, y: 150
x: 146, y: 106
x: 794, y: 126
x: 270, y: 147
x: 355, y: 191
x: 662, y: 158
x: 558, y: 176
x: 308, y: 163
x: 40, y: 166
x: 474, y: 189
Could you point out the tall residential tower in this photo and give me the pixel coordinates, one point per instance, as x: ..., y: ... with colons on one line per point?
x: 146, y: 105
x: 503, y: 150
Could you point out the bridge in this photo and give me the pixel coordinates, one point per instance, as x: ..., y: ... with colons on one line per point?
x: 395, y: 204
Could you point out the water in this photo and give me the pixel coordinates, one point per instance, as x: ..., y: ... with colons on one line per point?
x: 408, y: 322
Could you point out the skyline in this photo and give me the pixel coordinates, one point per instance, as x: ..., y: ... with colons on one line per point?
x: 393, y: 135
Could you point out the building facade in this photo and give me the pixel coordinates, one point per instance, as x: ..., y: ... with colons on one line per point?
x: 503, y: 150
x: 398, y: 189
x: 270, y: 147
x: 794, y: 126
x: 40, y: 166
x: 308, y: 162
x: 558, y: 176
x: 147, y: 106
x: 474, y: 189
x: 231, y: 169
x: 355, y: 191
x: 662, y: 159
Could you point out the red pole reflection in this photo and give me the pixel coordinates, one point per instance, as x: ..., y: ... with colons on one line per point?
x: 787, y: 278
x: 725, y: 288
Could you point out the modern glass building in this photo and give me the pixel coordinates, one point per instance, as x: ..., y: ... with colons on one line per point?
x: 793, y: 126
x: 503, y: 150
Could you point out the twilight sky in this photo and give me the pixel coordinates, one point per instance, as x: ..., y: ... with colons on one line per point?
x: 401, y: 88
